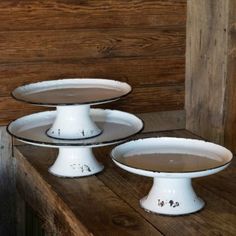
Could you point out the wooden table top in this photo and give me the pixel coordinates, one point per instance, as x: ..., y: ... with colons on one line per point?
x: 108, y: 203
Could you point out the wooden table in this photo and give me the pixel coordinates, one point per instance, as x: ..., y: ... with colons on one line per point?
x: 108, y: 203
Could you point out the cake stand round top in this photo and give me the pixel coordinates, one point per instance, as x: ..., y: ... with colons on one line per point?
x: 74, y: 91
x: 171, y: 157
x: 116, y: 125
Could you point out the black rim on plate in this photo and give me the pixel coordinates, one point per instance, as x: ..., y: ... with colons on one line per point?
x: 72, y: 104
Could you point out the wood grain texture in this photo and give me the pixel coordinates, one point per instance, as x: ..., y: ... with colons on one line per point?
x: 132, y: 188
x: 142, y: 99
x: 56, y: 222
x: 79, y: 44
x: 98, y: 211
x: 7, y: 185
x: 129, y: 188
x: 64, y: 14
x: 230, y: 97
x: 210, y: 71
x: 140, y: 42
x: 149, y: 71
x: 151, y: 99
x: 206, y: 68
x: 163, y: 121
x: 20, y: 215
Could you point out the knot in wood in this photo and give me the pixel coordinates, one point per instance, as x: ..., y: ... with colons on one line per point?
x: 124, y: 221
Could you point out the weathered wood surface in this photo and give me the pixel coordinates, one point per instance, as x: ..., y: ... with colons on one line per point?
x: 163, y: 121
x: 97, y: 210
x: 7, y: 185
x: 108, y: 203
x: 206, y: 67
x: 80, y: 44
x: 56, y: 220
x: 66, y: 14
x: 161, y: 71
x: 210, y: 70
x: 212, y: 220
x: 230, y: 100
x: 140, y: 42
x: 20, y: 215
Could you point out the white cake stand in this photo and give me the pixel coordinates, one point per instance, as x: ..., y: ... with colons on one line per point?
x: 172, y: 162
x: 72, y: 98
x: 75, y: 157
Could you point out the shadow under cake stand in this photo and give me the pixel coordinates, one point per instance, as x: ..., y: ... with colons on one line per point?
x: 172, y: 163
x: 74, y: 128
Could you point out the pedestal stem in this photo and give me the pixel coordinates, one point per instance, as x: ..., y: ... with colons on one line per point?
x: 75, y: 162
x: 172, y: 196
x: 73, y: 122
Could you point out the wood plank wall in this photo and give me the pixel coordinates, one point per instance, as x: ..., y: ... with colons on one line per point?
x: 211, y: 71
x: 7, y: 185
x: 140, y: 42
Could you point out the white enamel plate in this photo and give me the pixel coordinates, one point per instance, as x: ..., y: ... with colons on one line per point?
x: 172, y: 162
x: 75, y: 156
x: 71, y: 92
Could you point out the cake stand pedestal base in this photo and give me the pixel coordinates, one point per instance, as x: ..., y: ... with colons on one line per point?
x: 75, y: 162
x: 73, y: 122
x: 172, y: 196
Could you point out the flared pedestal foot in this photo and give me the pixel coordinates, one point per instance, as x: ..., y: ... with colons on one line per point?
x: 75, y: 162
x: 172, y: 197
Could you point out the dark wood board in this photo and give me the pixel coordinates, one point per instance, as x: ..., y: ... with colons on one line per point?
x: 140, y: 42
x: 161, y: 71
x: 96, y: 205
x: 51, y: 45
x: 230, y: 99
x: 212, y: 220
x: 218, y: 217
x: 7, y: 186
x: 141, y: 100
x: 64, y: 14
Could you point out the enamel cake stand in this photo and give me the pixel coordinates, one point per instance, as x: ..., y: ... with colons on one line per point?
x: 172, y: 192
x: 75, y: 158
x: 72, y: 99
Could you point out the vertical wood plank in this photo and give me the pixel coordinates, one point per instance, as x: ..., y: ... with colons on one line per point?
x: 20, y: 215
x: 206, y: 67
x: 230, y: 101
x: 210, y: 100
x: 7, y: 185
